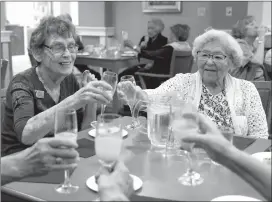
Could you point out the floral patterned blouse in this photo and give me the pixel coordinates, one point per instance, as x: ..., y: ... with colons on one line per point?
x: 216, y: 107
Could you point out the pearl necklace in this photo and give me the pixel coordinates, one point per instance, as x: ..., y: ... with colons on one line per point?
x: 55, y: 94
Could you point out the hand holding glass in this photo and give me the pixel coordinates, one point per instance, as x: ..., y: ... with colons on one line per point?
x: 127, y: 89
x: 182, y: 124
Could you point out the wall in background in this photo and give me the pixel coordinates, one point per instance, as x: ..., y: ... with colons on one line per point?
x: 3, y: 15
x: 129, y: 16
x: 218, y: 14
x: 91, y: 14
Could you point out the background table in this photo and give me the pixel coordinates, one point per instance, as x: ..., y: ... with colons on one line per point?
x: 114, y: 64
x: 158, y: 173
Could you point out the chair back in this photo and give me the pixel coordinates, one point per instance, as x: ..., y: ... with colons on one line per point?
x: 265, y: 90
x: 182, y: 62
x: 3, y: 103
x: 4, y: 67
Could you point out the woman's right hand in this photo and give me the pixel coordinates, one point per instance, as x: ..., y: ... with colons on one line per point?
x: 140, y: 94
x: 93, y: 92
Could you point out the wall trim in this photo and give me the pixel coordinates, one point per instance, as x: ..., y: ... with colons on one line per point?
x: 95, y: 31
x: 5, y: 36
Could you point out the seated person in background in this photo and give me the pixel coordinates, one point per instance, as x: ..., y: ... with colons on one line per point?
x: 44, y: 156
x: 154, y: 41
x: 267, y: 59
x: 118, y: 185
x: 34, y: 95
x: 80, y: 45
x: 246, y: 32
x: 228, y: 101
x: 179, y: 34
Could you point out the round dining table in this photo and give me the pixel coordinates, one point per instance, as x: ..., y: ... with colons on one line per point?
x: 159, y: 173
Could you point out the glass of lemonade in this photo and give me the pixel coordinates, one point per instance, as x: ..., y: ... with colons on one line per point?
x: 66, y: 128
x: 108, y: 140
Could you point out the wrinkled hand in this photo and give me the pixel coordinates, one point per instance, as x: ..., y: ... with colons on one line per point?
x: 92, y: 92
x: 49, y: 154
x: 128, y: 43
x: 210, y: 139
x: 115, y: 183
x: 140, y: 94
x: 87, y: 77
x: 148, y: 66
x: 143, y: 44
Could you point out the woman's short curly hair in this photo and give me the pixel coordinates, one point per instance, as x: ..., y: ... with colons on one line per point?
x: 181, y: 31
x: 239, y: 29
x: 49, y: 26
x: 228, y: 43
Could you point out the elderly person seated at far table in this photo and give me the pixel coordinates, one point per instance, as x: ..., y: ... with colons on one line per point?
x: 251, y: 38
x: 154, y: 41
x: 177, y: 41
x: 228, y: 101
x: 34, y: 95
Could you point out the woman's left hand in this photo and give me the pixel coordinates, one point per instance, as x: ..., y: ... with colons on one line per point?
x: 87, y: 77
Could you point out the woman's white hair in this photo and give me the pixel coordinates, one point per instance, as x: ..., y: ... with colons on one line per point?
x: 158, y: 22
x: 228, y: 43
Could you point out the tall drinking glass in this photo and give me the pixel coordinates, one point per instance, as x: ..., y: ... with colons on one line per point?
x: 66, y: 128
x: 130, y: 96
x: 111, y: 78
x: 182, y: 124
x: 108, y: 140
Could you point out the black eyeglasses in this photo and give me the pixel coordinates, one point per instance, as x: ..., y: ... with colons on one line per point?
x: 60, y: 48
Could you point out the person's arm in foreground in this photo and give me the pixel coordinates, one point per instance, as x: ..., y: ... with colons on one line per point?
x: 257, y: 174
x: 115, y: 186
x: 43, y: 157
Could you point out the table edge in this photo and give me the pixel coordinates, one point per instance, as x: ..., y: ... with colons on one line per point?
x: 18, y: 194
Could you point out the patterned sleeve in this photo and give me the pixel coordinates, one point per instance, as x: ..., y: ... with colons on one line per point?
x: 22, y: 99
x: 257, y: 123
x: 173, y: 84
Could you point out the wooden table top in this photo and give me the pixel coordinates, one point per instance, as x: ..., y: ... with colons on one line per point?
x: 158, y: 173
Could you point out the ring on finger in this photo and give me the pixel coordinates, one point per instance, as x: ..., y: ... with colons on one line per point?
x: 59, y: 160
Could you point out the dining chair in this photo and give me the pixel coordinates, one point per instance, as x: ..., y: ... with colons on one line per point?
x: 3, y: 102
x: 181, y: 62
x: 265, y: 90
x: 4, y: 67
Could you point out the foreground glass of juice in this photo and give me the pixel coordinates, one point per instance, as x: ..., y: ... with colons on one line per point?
x: 108, y: 140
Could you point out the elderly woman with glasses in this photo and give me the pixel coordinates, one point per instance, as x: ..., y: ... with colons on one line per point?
x: 229, y: 102
x: 34, y: 95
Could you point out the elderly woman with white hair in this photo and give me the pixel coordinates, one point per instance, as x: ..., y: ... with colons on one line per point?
x: 227, y: 101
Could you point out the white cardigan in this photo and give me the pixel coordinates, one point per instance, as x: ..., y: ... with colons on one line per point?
x: 244, y: 101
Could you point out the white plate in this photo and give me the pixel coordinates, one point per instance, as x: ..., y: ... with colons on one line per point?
x: 137, y: 183
x: 128, y: 54
x: 84, y: 53
x: 264, y: 157
x: 93, y: 133
x: 234, y: 198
